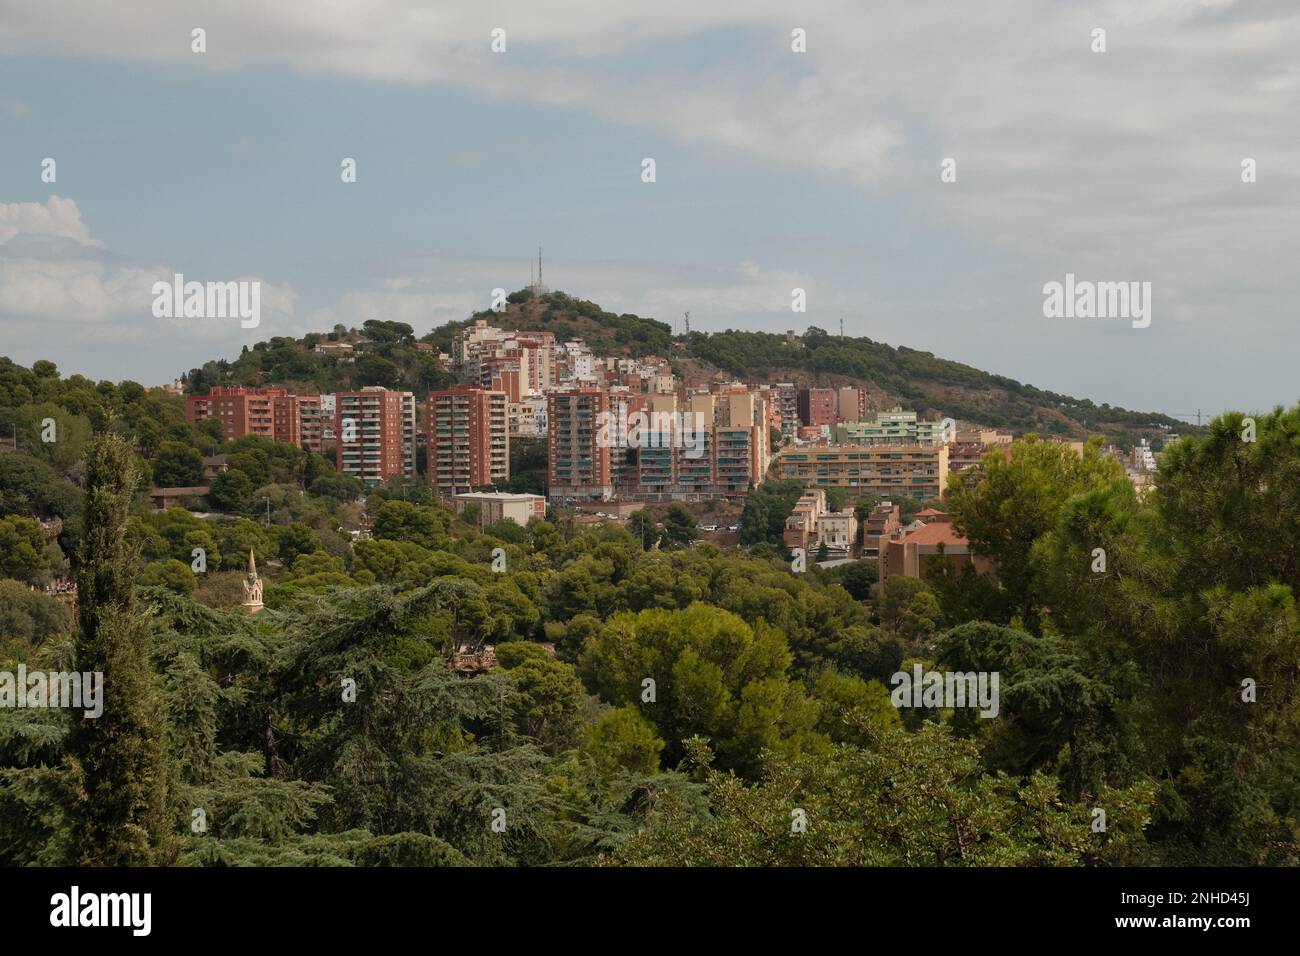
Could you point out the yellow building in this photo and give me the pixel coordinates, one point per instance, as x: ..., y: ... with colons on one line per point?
x: 917, y: 471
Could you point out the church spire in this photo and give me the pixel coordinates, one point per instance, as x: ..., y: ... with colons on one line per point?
x: 252, y: 587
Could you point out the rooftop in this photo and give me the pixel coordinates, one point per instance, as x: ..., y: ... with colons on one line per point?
x: 937, y: 533
x: 495, y: 496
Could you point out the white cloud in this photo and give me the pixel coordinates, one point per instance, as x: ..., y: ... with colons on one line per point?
x: 1056, y: 145
x: 56, y: 284
x: 1122, y: 165
x: 58, y: 218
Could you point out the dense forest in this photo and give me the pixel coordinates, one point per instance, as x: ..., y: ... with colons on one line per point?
x: 654, y: 700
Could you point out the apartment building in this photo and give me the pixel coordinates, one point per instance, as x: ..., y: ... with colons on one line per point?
x: 912, y: 470
x: 468, y: 439
x: 787, y: 397
x: 270, y: 412
x: 520, y: 363
x: 310, y: 414
x: 850, y: 404
x: 469, y: 340
x: 816, y: 406
x: 810, y: 526
x: 576, y: 362
x: 711, y: 444
x: 327, y: 419
x: 494, y: 506
x: 742, y: 447
x: 285, y: 415
x: 883, y: 522
x: 501, y: 373
x: 241, y: 411
x: 527, y: 417
x: 375, y: 434
x: 888, y: 428
x: 838, y: 531
x: 578, y: 466
x: 965, y: 455
x: 801, y: 524
x: 983, y: 436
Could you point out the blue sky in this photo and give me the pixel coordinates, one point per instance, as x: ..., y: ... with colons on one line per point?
x: 775, y: 170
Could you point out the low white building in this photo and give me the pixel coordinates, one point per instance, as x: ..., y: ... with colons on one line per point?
x: 494, y: 506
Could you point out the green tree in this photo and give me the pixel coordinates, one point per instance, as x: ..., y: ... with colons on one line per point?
x: 908, y: 607
x: 1016, y: 498
x: 22, y: 549
x: 859, y: 578
x: 679, y: 525
x: 907, y: 800
x: 297, y: 539
x: 548, y: 694
x: 232, y: 491
x: 170, y: 574
x: 766, y: 508
x: 712, y: 674
x: 338, y: 487
x: 419, y: 524
x: 623, y: 740
x: 641, y: 525
x: 177, y: 465
x: 120, y: 765
x: 852, y: 709
x: 29, y: 615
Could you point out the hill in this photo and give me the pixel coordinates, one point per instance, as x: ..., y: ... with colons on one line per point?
x: 570, y: 318
x: 381, y: 353
x: 932, y: 386
x: 387, y: 353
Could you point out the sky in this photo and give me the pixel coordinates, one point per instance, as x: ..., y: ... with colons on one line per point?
x: 774, y: 170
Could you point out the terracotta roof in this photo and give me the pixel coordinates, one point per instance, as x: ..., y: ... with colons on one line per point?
x: 940, y: 532
x: 930, y: 513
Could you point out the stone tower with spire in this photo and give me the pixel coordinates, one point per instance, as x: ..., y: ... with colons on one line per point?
x: 252, y: 587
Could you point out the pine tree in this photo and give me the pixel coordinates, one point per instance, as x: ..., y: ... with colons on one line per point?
x: 119, y: 761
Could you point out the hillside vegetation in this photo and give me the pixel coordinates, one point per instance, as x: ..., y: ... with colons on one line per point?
x: 387, y: 354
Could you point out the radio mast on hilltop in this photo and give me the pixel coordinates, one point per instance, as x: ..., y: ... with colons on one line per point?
x: 537, y: 287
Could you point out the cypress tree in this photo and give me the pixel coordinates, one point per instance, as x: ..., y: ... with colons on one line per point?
x: 119, y: 760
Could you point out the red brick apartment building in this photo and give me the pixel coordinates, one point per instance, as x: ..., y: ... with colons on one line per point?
x: 271, y: 412
x: 374, y: 433
x: 578, y: 466
x: 817, y: 406
x: 468, y: 438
